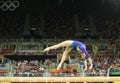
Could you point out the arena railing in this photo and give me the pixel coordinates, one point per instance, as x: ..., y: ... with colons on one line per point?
x: 47, y: 42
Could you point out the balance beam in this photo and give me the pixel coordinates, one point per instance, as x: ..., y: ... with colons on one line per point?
x: 59, y: 79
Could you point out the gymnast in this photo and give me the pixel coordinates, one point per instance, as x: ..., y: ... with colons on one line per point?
x: 69, y: 45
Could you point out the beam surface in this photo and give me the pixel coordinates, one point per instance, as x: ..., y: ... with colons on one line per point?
x: 59, y: 79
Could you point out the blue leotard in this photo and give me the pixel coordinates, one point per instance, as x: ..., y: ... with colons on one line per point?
x: 81, y: 46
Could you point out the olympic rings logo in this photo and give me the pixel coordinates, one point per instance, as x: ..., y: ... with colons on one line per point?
x: 9, y: 5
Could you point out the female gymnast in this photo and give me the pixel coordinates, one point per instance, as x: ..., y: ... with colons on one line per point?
x: 69, y: 45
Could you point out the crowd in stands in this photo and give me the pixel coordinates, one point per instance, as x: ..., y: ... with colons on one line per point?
x: 47, y: 67
x: 28, y: 68
x: 11, y: 25
x: 102, y: 63
x: 108, y: 27
x: 65, y: 26
x: 58, y: 25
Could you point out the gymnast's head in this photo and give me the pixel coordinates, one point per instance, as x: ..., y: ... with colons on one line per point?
x: 81, y: 55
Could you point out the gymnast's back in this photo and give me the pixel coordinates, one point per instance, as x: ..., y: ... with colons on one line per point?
x: 71, y: 43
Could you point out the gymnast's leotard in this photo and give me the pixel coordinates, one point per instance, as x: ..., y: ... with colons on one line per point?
x: 81, y: 46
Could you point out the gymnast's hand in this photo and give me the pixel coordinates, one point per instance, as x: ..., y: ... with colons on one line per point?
x: 46, y: 50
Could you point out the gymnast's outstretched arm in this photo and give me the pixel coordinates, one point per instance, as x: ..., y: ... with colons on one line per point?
x: 85, y: 62
x: 90, y: 61
x: 84, y: 52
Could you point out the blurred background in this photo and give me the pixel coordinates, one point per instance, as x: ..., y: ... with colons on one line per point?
x: 29, y: 26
